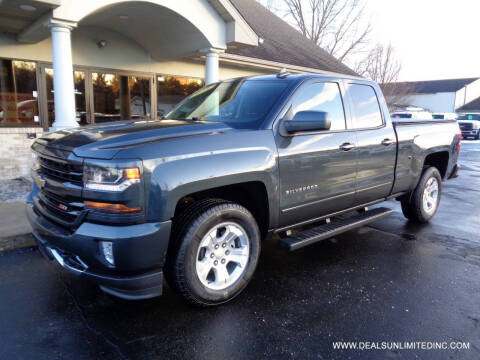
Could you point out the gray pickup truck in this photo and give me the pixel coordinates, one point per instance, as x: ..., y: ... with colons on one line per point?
x: 193, y: 195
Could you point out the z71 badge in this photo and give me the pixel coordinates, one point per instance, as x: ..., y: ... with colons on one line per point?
x: 63, y: 207
x: 301, y: 189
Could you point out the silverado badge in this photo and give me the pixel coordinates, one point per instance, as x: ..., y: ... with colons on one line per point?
x: 301, y: 189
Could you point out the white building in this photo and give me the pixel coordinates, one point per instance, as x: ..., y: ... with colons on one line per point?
x: 437, y: 96
x: 65, y: 63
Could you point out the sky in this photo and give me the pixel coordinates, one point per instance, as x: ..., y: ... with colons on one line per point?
x: 434, y: 39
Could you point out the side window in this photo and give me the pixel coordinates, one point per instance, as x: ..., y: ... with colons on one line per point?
x: 365, y: 106
x: 322, y: 97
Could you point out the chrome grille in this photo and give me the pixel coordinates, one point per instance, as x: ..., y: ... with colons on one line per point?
x: 466, y: 126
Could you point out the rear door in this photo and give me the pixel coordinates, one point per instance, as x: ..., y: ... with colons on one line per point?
x: 317, y: 170
x: 376, y: 142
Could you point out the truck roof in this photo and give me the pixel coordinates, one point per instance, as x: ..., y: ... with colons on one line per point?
x: 299, y: 76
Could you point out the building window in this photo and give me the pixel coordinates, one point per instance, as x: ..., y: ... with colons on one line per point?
x: 173, y: 89
x: 79, y: 85
x: 120, y: 97
x: 18, y: 93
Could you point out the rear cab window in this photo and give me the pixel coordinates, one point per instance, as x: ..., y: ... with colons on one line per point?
x: 366, y: 108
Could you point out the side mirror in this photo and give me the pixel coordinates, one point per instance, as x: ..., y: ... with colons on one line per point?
x: 307, y: 121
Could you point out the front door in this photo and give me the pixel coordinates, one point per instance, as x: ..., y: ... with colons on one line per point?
x: 317, y: 169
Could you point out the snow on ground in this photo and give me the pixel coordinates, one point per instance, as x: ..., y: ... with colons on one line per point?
x: 14, y: 190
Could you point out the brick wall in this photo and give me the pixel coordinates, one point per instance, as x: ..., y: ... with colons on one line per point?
x: 15, y: 155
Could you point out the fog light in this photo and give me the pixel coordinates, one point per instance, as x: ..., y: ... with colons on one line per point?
x: 107, y: 251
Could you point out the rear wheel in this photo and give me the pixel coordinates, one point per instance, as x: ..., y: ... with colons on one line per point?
x: 215, y: 250
x: 422, y: 205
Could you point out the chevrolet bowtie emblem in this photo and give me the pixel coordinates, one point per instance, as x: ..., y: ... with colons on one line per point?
x: 40, y: 181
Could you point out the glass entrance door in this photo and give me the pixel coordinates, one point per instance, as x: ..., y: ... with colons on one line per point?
x: 79, y: 78
x: 100, y: 96
x: 120, y: 97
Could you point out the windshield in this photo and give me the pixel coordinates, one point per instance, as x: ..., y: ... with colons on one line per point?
x: 469, y: 117
x: 402, y: 116
x: 239, y: 103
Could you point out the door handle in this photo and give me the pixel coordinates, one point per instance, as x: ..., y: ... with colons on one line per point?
x: 346, y: 146
x: 387, y: 142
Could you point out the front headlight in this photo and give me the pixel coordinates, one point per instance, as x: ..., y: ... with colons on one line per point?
x: 110, y: 178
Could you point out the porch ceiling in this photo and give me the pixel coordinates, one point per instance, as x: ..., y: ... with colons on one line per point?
x: 14, y: 19
x: 161, y: 31
x: 165, y: 28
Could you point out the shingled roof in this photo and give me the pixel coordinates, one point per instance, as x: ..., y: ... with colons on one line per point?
x: 434, y: 86
x: 282, y: 43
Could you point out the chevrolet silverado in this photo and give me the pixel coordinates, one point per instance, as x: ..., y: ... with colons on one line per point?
x: 191, y: 196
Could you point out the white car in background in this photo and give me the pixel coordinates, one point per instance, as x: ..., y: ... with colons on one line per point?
x: 470, y: 125
x: 445, y: 116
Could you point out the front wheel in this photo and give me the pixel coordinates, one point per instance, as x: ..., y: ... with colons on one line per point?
x: 422, y: 205
x: 215, y: 252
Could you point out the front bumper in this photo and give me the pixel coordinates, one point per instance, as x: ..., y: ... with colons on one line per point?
x: 139, y: 253
x: 470, y: 133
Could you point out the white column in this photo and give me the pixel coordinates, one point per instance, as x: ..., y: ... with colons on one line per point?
x: 64, y: 92
x: 211, y: 65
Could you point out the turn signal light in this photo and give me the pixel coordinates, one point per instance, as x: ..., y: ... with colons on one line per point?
x: 132, y: 173
x: 119, y: 208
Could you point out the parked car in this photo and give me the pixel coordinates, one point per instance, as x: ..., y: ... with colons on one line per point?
x: 412, y: 115
x: 192, y: 196
x: 470, y: 126
x: 445, y: 116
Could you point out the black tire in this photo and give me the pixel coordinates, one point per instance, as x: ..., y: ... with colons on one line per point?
x: 478, y: 136
x: 413, y: 207
x: 188, y: 231
x: 406, y: 209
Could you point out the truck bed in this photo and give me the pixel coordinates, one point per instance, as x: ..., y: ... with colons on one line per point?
x: 416, y: 141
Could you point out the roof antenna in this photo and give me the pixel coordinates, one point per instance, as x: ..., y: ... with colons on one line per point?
x: 283, y: 73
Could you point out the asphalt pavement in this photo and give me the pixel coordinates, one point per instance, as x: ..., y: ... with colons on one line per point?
x: 392, y: 281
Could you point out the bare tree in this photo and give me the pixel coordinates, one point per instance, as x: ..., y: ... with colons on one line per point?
x: 337, y: 26
x: 382, y: 66
x: 269, y: 4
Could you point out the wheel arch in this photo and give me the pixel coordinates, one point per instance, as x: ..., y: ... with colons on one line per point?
x: 252, y: 195
x: 438, y: 160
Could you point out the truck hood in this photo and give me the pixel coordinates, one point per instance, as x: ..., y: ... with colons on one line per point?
x: 103, y: 141
x: 475, y: 123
